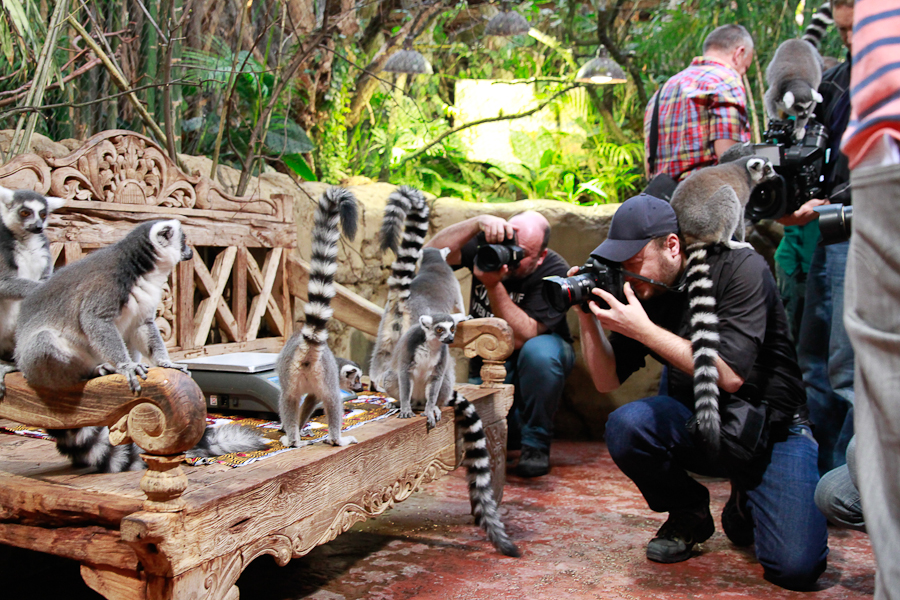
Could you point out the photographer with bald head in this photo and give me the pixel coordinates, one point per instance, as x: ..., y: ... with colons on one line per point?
x: 543, y: 355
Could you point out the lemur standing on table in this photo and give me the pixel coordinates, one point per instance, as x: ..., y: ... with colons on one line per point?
x: 306, y: 364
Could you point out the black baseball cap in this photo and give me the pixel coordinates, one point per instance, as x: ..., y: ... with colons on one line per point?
x: 639, y: 220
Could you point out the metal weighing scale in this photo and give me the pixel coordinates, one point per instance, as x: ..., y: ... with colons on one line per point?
x: 244, y: 382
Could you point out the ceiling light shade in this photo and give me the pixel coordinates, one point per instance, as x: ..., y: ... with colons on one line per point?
x: 408, y: 61
x: 507, y: 23
x: 601, y: 70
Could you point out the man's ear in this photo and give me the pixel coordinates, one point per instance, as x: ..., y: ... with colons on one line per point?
x: 673, y: 244
x: 541, y: 259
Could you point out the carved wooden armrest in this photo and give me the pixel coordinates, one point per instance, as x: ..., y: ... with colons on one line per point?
x: 165, y: 419
x: 491, y: 339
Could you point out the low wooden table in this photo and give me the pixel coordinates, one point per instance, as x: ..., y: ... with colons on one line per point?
x: 284, y: 505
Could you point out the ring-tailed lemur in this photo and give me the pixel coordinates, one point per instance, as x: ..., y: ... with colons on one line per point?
x: 90, y: 447
x: 97, y: 316
x: 795, y: 72
x: 710, y: 208
x: 406, y: 209
x: 24, y: 261
x: 422, y: 369
x: 306, y: 364
x: 350, y: 375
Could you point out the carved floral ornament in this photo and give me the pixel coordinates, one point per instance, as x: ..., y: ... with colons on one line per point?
x: 123, y: 167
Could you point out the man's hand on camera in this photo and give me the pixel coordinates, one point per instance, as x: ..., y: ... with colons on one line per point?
x: 496, y: 229
x: 629, y: 319
x: 490, y: 278
x: 804, y: 214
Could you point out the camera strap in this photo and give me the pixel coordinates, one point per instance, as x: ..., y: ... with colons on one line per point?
x: 677, y: 288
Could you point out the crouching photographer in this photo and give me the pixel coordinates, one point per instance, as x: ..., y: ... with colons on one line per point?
x: 650, y: 439
x: 509, y: 260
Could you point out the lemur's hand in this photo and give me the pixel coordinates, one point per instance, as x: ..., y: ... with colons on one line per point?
x: 168, y: 364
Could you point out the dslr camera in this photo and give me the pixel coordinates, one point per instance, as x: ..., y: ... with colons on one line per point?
x: 799, y: 167
x: 564, y: 292
x: 491, y: 257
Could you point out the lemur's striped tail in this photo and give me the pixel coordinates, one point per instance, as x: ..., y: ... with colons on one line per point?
x: 818, y: 25
x: 407, y: 210
x: 336, y: 204
x: 478, y: 473
x: 705, y: 347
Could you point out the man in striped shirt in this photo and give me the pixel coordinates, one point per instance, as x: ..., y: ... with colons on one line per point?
x: 703, y: 109
x: 872, y: 308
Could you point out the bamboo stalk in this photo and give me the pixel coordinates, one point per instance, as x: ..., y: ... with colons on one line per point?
x: 229, y: 92
x: 25, y: 126
x: 119, y: 80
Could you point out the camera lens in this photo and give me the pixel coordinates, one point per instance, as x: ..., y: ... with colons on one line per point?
x: 491, y: 257
x: 563, y: 292
x: 835, y: 223
x: 768, y: 200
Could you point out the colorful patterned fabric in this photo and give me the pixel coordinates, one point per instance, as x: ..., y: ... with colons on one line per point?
x: 368, y: 407
x: 703, y: 103
x: 875, y: 83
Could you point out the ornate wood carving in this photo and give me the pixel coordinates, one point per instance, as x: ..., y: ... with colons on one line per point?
x: 26, y: 172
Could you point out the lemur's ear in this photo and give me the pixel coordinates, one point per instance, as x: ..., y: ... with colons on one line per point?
x: 457, y: 317
x: 788, y: 99
x: 54, y: 203
x: 425, y: 321
x: 445, y: 252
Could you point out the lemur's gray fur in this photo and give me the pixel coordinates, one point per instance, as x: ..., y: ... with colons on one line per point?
x: 306, y: 364
x: 90, y: 446
x: 710, y: 208
x: 434, y: 289
x: 422, y: 369
x: 407, y: 210
x: 350, y: 375
x: 97, y: 315
x: 794, y: 74
x: 710, y: 203
x: 24, y: 261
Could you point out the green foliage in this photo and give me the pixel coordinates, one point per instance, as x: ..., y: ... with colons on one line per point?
x: 253, y: 85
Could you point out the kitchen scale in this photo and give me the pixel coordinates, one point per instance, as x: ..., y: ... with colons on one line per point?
x: 244, y: 382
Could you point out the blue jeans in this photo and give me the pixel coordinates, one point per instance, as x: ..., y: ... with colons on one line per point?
x: 826, y: 356
x: 649, y: 441
x: 538, y: 370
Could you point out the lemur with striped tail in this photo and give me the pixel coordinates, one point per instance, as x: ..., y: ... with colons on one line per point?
x: 794, y: 74
x: 406, y: 211
x: 306, y: 364
x: 710, y: 206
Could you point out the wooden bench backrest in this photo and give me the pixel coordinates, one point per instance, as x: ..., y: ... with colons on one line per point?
x: 232, y: 296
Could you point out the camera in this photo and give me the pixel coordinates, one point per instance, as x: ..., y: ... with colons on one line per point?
x: 491, y: 257
x: 564, y: 292
x: 835, y: 221
x: 799, y: 164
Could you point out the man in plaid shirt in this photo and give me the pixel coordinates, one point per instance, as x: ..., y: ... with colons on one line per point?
x: 703, y: 109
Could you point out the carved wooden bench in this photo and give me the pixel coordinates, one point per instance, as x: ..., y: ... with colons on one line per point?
x: 174, y: 532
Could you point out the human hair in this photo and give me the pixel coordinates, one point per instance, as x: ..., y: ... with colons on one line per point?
x: 726, y: 38
x: 836, y: 3
x: 546, y: 241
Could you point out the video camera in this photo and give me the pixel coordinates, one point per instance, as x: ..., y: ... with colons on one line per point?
x: 564, y: 292
x: 799, y: 165
x: 491, y: 257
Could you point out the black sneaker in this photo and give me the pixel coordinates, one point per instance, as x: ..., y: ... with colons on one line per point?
x: 676, y: 538
x: 533, y: 462
x: 736, y: 521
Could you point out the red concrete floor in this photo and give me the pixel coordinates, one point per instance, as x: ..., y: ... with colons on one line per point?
x: 582, y: 531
